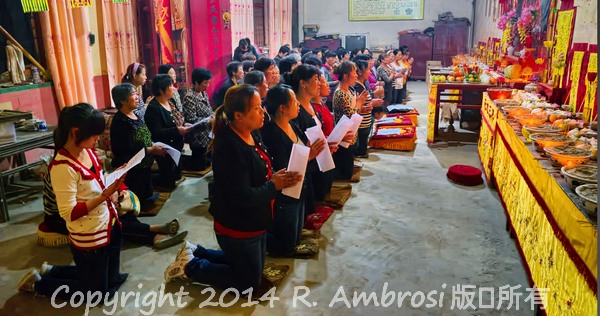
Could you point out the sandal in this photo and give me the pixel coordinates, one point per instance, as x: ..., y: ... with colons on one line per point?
x: 170, y: 228
x: 176, y: 270
x: 162, y: 242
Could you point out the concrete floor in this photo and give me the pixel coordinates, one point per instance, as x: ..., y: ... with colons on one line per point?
x: 405, y: 225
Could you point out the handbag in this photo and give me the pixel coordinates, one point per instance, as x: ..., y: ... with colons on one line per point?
x: 128, y: 202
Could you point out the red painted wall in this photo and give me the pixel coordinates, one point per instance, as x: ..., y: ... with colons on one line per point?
x: 41, y: 101
x: 103, y: 99
x: 210, y: 41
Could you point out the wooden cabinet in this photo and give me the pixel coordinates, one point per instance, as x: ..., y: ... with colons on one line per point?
x: 420, y: 47
x: 451, y: 38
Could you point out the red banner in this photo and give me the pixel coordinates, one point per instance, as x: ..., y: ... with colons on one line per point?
x: 164, y: 29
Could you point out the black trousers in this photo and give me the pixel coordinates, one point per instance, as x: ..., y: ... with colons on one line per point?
x: 168, y: 172
x: 94, y: 270
x: 362, y: 141
x: 198, y: 161
x: 135, y: 231
x: 321, y: 184
x: 344, y: 163
x: 139, y: 181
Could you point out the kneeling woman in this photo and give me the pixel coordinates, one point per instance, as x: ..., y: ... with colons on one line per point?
x: 84, y: 202
x: 279, y: 136
x: 241, y: 198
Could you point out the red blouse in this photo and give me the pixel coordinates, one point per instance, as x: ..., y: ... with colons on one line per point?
x: 324, y: 116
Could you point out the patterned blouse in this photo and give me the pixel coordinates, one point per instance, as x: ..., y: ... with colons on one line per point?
x: 343, y: 103
x: 196, y: 107
x: 177, y: 100
x: 385, y: 73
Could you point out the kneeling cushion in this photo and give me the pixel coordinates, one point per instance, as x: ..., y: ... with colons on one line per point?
x: 465, y: 175
x: 49, y: 238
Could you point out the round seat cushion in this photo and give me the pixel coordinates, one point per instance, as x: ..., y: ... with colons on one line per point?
x: 49, y: 238
x: 465, y: 175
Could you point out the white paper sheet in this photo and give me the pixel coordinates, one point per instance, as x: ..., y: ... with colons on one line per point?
x: 112, y: 177
x: 388, y: 131
x: 297, y: 163
x: 174, y: 153
x: 399, y: 107
x: 340, y: 130
x: 324, y: 159
x: 386, y: 120
x: 204, y: 120
x: 356, y: 119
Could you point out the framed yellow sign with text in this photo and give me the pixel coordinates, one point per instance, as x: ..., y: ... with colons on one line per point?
x: 377, y: 10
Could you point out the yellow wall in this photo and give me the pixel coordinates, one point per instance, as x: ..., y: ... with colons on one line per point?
x: 94, y: 19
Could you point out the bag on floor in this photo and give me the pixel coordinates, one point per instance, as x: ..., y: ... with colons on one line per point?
x: 129, y: 202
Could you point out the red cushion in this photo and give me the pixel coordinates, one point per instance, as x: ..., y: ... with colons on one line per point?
x: 465, y: 175
x: 316, y: 220
x: 44, y: 228
x: 405, y: 132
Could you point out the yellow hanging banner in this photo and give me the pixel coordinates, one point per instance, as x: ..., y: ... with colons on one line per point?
x: 575, y: 75
x: 34, y: 5
x: 591, y: 86
x: 506, y: 38
x: 564, y: 26
x: 80, y: 3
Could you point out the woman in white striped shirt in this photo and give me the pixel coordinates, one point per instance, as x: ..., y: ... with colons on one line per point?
x: 85, y: 202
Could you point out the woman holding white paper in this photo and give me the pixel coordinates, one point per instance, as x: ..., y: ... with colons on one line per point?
x: 197, y: 111
x: 279, y: 136
x: 166, y: 124
x: 241, y: 197
x: 84, y: 202
x: 306, y: 84
x: 128, y: 135
x: 345, y: 103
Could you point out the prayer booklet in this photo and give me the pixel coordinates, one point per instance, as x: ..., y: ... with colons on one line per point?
x: 114, y: 176
x: 340, y: 130
x: 388, y: 131
x: 356, y: 119
x: 386, y: 120
x: 174, y: 153
x: 204, y: 120
x: 297, y: 163
x: 324, y: 159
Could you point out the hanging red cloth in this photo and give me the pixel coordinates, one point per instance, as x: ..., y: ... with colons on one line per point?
x: 567, y: 4
x: 164, y: 30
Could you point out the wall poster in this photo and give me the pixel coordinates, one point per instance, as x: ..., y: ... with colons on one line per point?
x: 376, y: 10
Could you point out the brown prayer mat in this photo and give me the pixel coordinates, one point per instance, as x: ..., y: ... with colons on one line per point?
x: 307, y: 247
x: 158, y: 204
x: 355, y: 176
x: 272, y: 276
x: 197, y: 174
x: 338, y: 196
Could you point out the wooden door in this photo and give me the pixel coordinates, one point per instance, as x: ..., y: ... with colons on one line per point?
x: 148, y: 42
